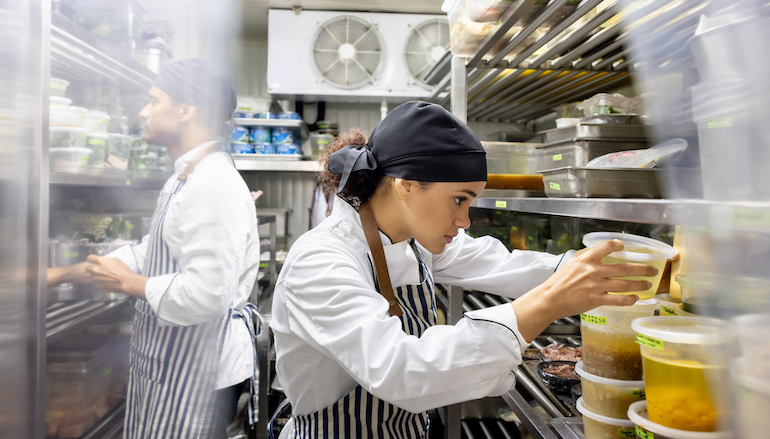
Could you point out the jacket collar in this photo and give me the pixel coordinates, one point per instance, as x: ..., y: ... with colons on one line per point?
x: 181, y: 163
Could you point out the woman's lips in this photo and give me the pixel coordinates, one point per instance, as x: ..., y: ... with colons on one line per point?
x: 448, y: 239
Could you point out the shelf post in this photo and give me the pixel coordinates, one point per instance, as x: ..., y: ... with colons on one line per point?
x: 457, y: 90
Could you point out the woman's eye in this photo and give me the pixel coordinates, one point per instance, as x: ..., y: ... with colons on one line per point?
x: 459, y: 200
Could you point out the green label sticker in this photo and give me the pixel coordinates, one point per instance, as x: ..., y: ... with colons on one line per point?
x: 104, y: 121
x: 649, y: 342
x: 323, y: 142
x: 58, y: 86
x: 557, y: 157
x: 722, y: 122
x: 107, y: 371
x: 593, y: 319
x: 514, y: 228
x: 84, y: 159
x: 627, y: 432
x: 638, y: 394
x: 751, y: 218
x: 501, y: 204
x: 96, y: 142
x: 71, y: 254
x: 82, y: 116
x: 554, y: 186
x: 666, y: 311
x: 128, y: 182
x: 643, y: 434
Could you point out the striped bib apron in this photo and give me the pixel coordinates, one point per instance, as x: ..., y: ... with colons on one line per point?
x: 171, y: 385
x: 359, y: 414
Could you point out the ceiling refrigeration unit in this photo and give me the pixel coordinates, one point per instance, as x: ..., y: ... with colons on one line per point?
x: 353, y: 56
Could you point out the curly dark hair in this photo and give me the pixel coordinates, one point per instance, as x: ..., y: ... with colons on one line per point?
x: 361, y: 184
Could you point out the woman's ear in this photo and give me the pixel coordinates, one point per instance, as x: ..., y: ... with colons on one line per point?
x: 404, y: 188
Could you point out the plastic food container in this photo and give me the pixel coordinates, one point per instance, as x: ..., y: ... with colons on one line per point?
x: 55, y: 101
x: 638, y: 250
x: 752, y: 398
x: 239, y: 134
x: 98, y: 143
x: 753, y: 332
x: 67, y: 137
x: 319, y: 143
x: 578, y: 152
x: 69, y: 160
x: 289, y: 115
x: 264, y: 115
x: 646, y: 429
x: 264, y: 148
x: 567, y: 121
x: 679, y: 311
x: 327, y: 125
x: 119, y: 150
x: 722, y: 295
x: 609, y: 347
x: 260, y: 135
x: 66, y: 116
x: 597, y: 426
x: 58, y: 87
x: 97, y: 121
x: 512, y: 158
x: 243, y: 148
x: 685, y: 361
x: 608, y: 397
x: 667, y: 304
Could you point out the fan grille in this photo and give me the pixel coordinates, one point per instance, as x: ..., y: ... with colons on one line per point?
x: 347, y: 51
x: 425, y: 45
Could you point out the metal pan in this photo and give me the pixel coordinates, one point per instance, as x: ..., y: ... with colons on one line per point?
x: 596, y: 131
x: 570, y: 182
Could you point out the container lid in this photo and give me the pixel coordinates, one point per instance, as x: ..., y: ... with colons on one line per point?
x: 718, y: 282
x: 59, y: 129
x: 69, y: 150
x: 603, y: 419
x: 634, y: 245
x: 98, y: 135
x: 68, y: 109
x: 99, y: 114
x: 667, y: 298
x: 636, y: 384
x: 121, y: 136
x: 63, y: 82
x: 60, y: 102
x: 738, y: 373
x: 687, y: 330
x: 511, y: 148
x: 637, y: 412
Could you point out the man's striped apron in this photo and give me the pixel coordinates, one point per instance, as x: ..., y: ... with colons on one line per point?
x: 171, y: 386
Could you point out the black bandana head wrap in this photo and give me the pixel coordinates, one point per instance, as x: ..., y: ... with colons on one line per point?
x: 194, y: 82
x: 416, y: 141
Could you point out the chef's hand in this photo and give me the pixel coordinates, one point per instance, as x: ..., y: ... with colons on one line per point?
x: 70, y: 274
x: 581, y: 284
x: 111, y: 274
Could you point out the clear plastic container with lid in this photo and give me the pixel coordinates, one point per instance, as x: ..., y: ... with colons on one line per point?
x: 119, y: 151
x: 667, y: 304
x: 609, y: 347
x: 98, y: 143
x: 319, y: 143
x: 722, y: 295
x: 637, y: 250
x: 69, y: 160
x: 646, y: 429
x: 753, y: 333
x: 97, y: 121
x: 58, y: 87
x: 752, y: 398
x: 685, y: 361
x: 67, y: 137
x: 55, y: 101
x: 608, y: 397
x: 597, y: 426
x: 66, y: 116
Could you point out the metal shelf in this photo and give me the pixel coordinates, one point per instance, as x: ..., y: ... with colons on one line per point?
x: 569, y: 61
x: 66, y: 318
x: 252, y: 162
x: 104, y: 181
x: 273, y: 123
x: 76, y: 54
x: 109, y: 426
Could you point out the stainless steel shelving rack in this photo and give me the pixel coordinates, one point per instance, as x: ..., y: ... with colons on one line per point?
x: 575, y: 58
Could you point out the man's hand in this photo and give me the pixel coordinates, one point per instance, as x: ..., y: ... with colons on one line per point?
x: 112, y: 275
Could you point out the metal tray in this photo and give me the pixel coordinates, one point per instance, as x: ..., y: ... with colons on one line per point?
x: 618, y: 119
x: 578, y: 152
x: 570, y: 182
x: 596, y: 131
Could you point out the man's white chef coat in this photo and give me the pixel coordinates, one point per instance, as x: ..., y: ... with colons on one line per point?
x: 211, y: 231
x: 333, y: 332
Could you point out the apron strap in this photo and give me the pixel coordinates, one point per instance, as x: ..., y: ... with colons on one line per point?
x: 282, y: 407
x: 381, y: 267
x: 194, y: 162
x: 252, y: 318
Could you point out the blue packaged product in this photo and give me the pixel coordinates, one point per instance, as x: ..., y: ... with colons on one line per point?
x: 261, y: 135
x: 239, y: 134
x: 243, y: 113
x: 290, y: 115
x: 264, y: 148
x: 264, y: 115
x: 283, y: 148
x: 282, y: 136
x: 243, y: 148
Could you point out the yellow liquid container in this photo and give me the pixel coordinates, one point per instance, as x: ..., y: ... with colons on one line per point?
x: 646, y: 429
x: 685, y: 362
x: 608, y: 397
x: 637, y: 250
x: 609, y: 346
x: 596, y: 426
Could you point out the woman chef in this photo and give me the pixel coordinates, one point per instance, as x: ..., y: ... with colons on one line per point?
x: 193, y: 274
x: 354, y: 312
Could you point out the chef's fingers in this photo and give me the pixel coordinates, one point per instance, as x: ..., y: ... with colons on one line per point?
x: 624, y: 285
x: 675, y: 258
x: 95, y: 259
x: 618, y: 300
x: 618, y: 270
x: 603, y: 249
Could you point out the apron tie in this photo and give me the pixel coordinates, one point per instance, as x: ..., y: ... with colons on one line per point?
x: 248, y: 314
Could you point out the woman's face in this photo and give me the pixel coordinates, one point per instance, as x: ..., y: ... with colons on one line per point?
x: 435, y: 212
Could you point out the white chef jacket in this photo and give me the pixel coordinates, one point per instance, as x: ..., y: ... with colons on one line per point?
x: 333, y: 331
x: 211, y: 231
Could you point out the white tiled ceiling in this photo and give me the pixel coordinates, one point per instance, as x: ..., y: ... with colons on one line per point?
x: 255, y: 11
